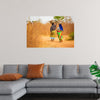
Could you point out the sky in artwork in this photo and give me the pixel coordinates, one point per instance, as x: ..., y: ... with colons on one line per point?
x: 43, y: 19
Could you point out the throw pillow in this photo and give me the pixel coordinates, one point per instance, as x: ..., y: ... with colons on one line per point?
x: 35, y: 71
x: 10, y: 77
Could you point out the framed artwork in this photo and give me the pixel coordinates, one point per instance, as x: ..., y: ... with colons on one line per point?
x: 50, y: 32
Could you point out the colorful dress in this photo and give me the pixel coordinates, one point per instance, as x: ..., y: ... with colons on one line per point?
x: 59, y: 32
x: 53, y: 32
x: 52, y: 35
x: 60, y: 35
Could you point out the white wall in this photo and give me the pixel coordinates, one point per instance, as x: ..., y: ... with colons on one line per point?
x: 97, y: 31
x: 13, y: 14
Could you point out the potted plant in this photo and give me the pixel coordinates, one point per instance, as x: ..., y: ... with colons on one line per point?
x: 94, y: 70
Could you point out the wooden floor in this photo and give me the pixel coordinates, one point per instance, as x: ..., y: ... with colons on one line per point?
x: 59, y: 97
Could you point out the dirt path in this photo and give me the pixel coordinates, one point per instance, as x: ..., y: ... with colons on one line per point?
x: 47, y: 43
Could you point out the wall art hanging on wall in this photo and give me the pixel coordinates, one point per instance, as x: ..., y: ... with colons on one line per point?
x: 50, y: 32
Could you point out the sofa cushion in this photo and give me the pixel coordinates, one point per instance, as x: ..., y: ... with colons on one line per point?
x: 10, y: 68
x: 61, y: 83
x: 54, y: 71
x: 45, y: 71
x: 84, y: 71
x: 61, y: 90
x: 15, y: 96
x: 70, y: 71
x: 22, y: 69
x: 10, y: 87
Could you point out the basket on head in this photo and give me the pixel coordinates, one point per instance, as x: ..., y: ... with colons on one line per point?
x: 52, y: 21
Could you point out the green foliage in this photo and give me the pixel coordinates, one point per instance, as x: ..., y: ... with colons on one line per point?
x: 94, y: 70
x: 98, y: 75
x: 93, y: 67
x: 71, y: 35
x: 58, y: 18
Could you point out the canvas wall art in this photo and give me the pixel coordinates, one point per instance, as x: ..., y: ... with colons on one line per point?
x: 50, y: 32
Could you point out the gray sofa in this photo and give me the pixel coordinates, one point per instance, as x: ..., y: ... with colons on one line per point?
x: 58, y: 79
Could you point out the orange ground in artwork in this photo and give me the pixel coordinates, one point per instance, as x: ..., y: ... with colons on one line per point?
x: 45, y: 42
x: 50, y: 44
x: 38, y: 36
